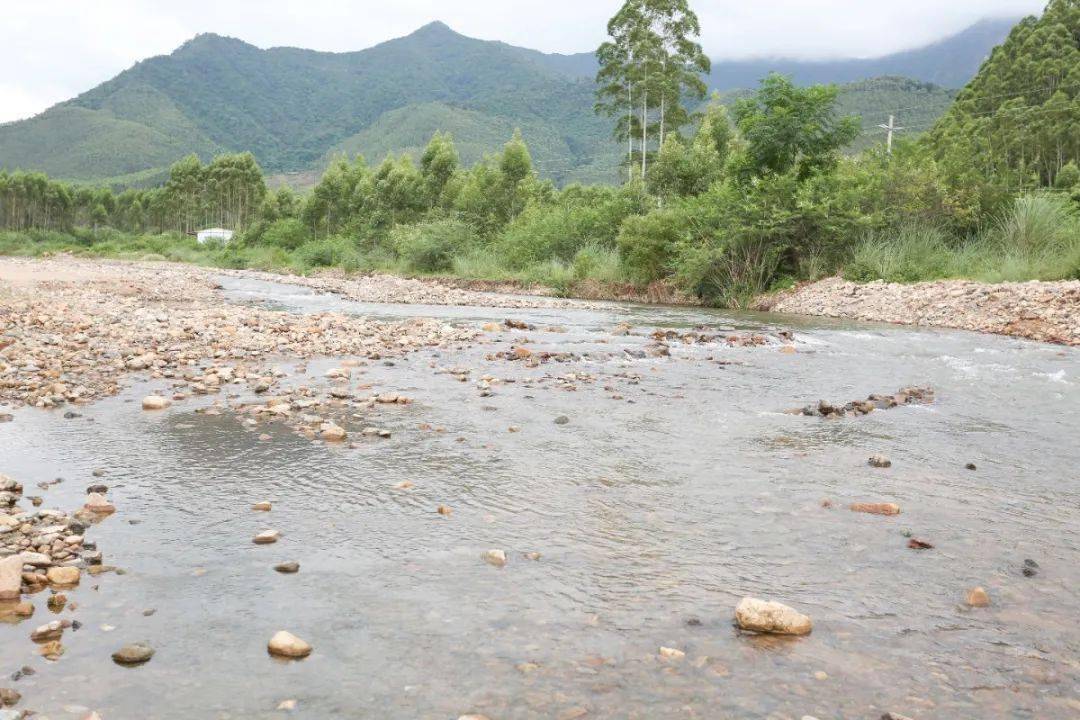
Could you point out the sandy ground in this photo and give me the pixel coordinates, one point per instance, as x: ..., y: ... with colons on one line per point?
x: 1044, y: 311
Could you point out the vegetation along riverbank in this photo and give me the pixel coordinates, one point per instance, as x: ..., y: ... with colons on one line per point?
x: 719, y: 205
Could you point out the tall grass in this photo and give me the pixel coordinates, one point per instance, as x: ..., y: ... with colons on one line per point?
x: 1037, y: 238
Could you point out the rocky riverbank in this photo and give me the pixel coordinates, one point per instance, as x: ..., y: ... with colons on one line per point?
x: 71, y: 329
x: 1044, y: 311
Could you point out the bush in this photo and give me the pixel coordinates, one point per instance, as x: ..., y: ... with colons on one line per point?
x: 288, y: 234
x: 596, y: 262
x: 1068, y: 177
x: 647, y: 243
x: 432, y: 246
x: 334, y: 251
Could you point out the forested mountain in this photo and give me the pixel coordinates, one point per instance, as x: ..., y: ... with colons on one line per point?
x: 295, y: 108
x: 949, y: 62
x: 1020, y: 114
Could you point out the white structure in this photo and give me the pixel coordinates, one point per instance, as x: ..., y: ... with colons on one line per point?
x: 219, y: 234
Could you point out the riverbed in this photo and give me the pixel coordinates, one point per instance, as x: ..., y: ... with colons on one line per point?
x: 677, y: 485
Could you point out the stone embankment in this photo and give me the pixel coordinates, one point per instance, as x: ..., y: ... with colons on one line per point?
x: 1044, y: 311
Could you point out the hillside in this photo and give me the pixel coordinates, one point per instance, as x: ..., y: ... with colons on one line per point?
x: 295, y: 108
x: 949, y: 62
x: 290, y: 106
x: 1019, y: 114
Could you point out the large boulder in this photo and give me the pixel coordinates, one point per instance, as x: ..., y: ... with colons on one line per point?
x: 767, y: 616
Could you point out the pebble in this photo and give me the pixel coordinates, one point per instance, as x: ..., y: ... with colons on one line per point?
x: 495, y: 557
x: 977, y: 597
x: 671, y: 653
x: 288, y: 568
x: 285, y: 644
x: 133, y: 654
x: 9, y: 697
x: 562, y: 420
x: 876, y: 508
x: 766, y: 616
x: 155, y: 402
x: 879, y: 461
x: 48, y: 631
x: 11, y: 578
x: 63, y: 575
x: 262, y: 507
x: 267, y: 537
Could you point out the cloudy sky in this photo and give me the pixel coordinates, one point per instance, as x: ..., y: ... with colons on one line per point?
x: 51, y: 50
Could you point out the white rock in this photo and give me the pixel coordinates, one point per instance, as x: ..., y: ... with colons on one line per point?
x: 155, y: 402
x: 766, y: 616
x: 267, y: 537
x: 285, y: 644
x: 10, y: 577
x: 495, y: 557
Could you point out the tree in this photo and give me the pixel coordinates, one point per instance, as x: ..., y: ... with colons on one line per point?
x: 648, y: 69
x: 437, y: 165
x: 787, y: 128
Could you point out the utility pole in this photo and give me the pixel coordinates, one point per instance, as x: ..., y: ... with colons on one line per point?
x: 891, y: 127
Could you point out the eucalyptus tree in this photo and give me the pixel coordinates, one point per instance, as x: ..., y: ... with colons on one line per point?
x: 651, y: 65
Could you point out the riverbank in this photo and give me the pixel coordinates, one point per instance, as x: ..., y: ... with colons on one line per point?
x: 1043, y: 311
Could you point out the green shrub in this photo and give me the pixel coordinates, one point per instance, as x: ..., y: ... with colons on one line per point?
x: 1037, y: 223
x: 432, y: 246
x: 1068, y: 177
x: 335, y: 251
x: 288, y: 234
x: 647, y: 243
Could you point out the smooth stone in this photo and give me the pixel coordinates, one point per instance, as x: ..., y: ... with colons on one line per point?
x: 11, y: 578
x: 495, y: 557
x: 672, y: 653
x: 262, y: 507
x: 48, y: 632
x: 97, y: 503
x: 265, y: 538
x: 766, y: 616
x: 977, y: 597
x: 285, y: 644
x: 63, y: 575
x: 879, y: 461
x: 155, y: 402
x: 133, y: 654
x: 333, y: 433
x: 288, y: 568
x: 562, y: 420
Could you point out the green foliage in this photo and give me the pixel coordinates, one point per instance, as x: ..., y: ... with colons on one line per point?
x: 335, y: 251
x: 1017, y: 122
x: 432, y: 246
x: 789, y: 128
x: 1068, y: 177
x: 287, y: 234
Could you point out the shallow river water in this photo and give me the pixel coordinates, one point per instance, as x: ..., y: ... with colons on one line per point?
x: 677, y: 488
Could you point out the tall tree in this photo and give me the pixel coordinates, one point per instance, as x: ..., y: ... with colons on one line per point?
x: 650, y: 66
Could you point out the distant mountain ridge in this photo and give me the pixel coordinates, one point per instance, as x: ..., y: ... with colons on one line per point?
x: 293, y: 108
x: 950, y: 62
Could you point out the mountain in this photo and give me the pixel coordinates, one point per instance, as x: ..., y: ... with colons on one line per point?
x: 290, y: 107
x: 949, y: 62
x: 295, y: 108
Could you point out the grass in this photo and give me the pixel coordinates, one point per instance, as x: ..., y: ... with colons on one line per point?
x: 1038, y: 238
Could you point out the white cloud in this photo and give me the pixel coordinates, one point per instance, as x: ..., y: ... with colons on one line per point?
x: 54, y: 49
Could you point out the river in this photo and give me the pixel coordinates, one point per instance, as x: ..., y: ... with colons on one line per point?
x: 677, y: 487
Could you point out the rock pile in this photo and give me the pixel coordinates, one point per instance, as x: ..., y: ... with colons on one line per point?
x: 904, y: 396
x: 67, y: 342
x: 1046, y: 311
